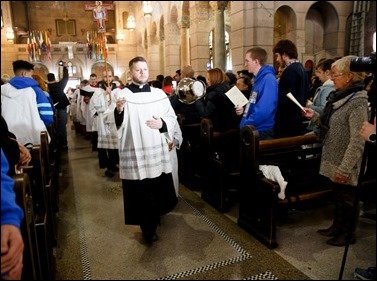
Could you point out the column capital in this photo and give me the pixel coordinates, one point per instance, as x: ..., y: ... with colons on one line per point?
x: 218, y: 5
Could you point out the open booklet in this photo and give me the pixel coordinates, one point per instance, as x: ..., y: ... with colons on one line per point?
x: 236, y: 96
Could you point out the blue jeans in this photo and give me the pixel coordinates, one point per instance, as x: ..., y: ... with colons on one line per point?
x: 61, y: 127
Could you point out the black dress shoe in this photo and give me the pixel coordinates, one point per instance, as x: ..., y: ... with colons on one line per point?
x: 109, y: 174
x: 341, y: 240
x: 329, y: 232
x: 115, y: 169
x: 149, y: 232
x: 150, y: 237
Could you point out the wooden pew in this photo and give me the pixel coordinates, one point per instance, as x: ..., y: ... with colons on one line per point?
x: 189, y: 154
x: 43, y: 220
x: 298, y: 158
x: 221, y: 166
x: 51, y: 183
x: 31, y: 263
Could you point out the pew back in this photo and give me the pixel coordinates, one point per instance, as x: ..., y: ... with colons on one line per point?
x: 221, y: 165
x: 298, y: 159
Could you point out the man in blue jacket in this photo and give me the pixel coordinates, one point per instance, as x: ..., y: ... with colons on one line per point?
x: 261, y: 108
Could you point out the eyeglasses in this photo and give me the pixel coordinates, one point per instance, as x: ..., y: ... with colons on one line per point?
x: 334, y: 75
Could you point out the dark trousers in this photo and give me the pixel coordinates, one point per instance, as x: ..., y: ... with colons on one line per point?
x: 346, y: 207
x: 61, y: 127
x: 146, y: 200
x: 108, y: 158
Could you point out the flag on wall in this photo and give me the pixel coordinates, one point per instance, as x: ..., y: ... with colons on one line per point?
x: 97, y: 45
x: 39, y: 46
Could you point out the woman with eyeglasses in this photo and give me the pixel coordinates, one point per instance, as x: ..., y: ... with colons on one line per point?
x: 342, y: 151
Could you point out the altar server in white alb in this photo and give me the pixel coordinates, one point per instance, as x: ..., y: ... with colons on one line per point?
x: 102, y: 105
x: 143, y: 115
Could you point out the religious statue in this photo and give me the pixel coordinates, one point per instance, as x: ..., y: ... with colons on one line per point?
x: 99, y: 14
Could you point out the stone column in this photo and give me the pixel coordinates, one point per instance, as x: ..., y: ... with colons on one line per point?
x: 185, y: 42
x: 199, y: 31
x: 172, y: 48
x: 154, y: 58
x: 185, y: 47
x: 219, y: 48
x: 161, y: 51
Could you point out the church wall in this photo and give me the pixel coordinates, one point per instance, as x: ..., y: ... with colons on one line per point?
x: 251, y: 24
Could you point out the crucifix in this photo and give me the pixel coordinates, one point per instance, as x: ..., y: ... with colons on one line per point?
x: 99, y: 11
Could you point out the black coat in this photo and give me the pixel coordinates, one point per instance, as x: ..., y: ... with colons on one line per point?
x: 218, y: 107
x: 56, y: 91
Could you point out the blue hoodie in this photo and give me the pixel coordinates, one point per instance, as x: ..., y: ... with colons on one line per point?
x: 11, y: 213
x: 261, y: 109
x: 45, y: 109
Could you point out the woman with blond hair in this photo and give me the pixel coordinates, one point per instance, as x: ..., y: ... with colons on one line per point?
x: 43, y: 85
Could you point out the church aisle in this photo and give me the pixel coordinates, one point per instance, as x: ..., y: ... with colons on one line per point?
x: 196, y: 242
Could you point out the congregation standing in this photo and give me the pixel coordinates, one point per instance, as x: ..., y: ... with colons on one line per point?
x: 143, y: 149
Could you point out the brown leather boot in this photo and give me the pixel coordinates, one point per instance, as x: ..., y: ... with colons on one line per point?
x: 340, y: 240
x: 331, y: 231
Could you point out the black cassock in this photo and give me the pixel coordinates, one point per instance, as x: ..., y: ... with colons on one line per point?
x: 146, y: 200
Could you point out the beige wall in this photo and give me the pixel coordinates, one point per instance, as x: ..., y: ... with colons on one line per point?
x: 250, y: 22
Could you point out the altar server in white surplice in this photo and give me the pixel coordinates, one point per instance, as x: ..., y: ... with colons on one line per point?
x: 102, y: 105
x: 143, y: 115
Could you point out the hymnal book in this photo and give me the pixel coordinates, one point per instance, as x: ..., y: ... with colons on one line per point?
x: 236, y: 96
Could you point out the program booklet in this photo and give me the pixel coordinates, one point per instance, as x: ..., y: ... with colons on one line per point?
x: 236, y: 96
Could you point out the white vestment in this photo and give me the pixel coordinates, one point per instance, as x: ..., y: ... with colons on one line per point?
x: 104, y: 122
x: 144, y: 152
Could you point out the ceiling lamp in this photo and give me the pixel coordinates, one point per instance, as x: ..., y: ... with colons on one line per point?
x: 120, y: 36
x: 131, y: 23
x: 9, y: 34
x: 147, y: 8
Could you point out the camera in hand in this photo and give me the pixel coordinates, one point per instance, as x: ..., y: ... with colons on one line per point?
x: 61, y: 63
x: 364, y: 63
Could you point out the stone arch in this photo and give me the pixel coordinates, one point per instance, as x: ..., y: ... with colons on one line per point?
x: 99, y: 67
x: 153, y: 33
x: 321, y: 29
x: 76, y: 62
x: 285, y: 24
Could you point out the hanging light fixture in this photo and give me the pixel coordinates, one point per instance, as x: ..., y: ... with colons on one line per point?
x: 9, y: 34
x: 131, y: 23
x: 120, y: 35
x: 147, y: 8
